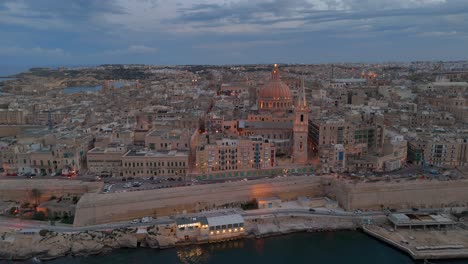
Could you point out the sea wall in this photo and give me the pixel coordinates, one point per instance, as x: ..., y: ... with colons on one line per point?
x: 95, y: 208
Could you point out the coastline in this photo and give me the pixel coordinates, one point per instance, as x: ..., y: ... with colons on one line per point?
x: 21, y: 247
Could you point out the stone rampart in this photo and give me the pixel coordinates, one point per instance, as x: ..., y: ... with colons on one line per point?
x: 403, y: 194
x: 94, y: 208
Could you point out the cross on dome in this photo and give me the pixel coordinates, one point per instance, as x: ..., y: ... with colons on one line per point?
x: 275, y: 72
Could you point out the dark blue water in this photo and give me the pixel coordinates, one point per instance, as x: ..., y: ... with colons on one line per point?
x: 330, y: 247
x: 72, y: 90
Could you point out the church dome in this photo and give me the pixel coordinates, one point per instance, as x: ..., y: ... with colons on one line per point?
x: 275, y: 94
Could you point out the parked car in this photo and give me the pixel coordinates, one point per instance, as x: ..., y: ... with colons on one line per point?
x: 147, y: 219
x: 311, y: 210
x: 135, y: 221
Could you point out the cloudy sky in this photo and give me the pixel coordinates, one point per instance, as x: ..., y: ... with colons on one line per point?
x: 65, y: 32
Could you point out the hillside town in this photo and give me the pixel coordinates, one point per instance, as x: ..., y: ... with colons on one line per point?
x: 202, y: 122
x: 351, y: 145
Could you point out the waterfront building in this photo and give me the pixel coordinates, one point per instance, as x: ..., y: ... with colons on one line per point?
x: 155, y: 163
x: 213, y: 227
x: 235, y: 155
x: 447, y: 150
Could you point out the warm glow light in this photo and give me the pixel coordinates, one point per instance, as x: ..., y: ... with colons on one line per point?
x: 235, y: 229
x: 211, y: 233
x: 230, y: 230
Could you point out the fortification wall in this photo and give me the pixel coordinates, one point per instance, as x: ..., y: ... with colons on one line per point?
x: 21, y: 189
x: 94, y: 208
x: 399, y: 195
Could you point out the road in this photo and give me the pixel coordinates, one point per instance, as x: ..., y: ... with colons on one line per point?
x: 18, y: 224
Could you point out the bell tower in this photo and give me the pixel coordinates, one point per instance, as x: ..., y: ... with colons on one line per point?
x: 300, y: 128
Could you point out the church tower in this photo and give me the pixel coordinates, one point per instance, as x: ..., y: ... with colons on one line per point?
x: 300, y: 128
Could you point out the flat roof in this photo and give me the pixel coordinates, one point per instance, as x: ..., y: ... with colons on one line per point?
x: 170, y: 153
x: 225, y: 219
x: 191, y: 220
x: 420, y: 219
x: 266, y: 199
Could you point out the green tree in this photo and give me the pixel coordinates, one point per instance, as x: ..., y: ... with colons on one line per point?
x: 36, y: 194
x: 39, y: 216
x: 13, y: 211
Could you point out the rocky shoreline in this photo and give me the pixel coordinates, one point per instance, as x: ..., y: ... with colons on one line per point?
x: 49, y: 245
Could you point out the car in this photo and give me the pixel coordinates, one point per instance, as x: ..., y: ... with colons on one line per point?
x: 311, y: 210
x: 415, y: 209
x: 124, y: 179
x: 147, y: 219
x: 151, y: 178
x: 135, y: 221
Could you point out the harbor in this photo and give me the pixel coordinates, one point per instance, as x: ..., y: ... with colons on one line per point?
x: 423, y: 236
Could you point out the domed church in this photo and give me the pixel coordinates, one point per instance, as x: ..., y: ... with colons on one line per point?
x: 275, y: 95
x: 280, y: 120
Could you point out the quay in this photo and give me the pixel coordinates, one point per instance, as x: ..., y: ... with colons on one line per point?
x: 447, y: 240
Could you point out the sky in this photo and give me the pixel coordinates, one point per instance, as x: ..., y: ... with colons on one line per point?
x: 166, y: 32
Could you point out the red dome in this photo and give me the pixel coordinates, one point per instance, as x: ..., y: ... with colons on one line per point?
x: 275, y: 94
x: 274, y: 89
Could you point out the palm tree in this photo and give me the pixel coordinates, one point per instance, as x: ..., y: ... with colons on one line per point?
x: 36, y: 194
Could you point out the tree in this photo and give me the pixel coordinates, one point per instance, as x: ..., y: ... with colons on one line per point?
x: 36, y: 194
x: 13, y: 211
x: 39, y: 216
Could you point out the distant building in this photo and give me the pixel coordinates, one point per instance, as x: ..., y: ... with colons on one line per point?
x: 106, y: 161
x: 155, y: 163
x: 12, y: 117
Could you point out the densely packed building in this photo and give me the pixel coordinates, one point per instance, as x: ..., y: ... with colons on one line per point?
x: 209, y: 121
